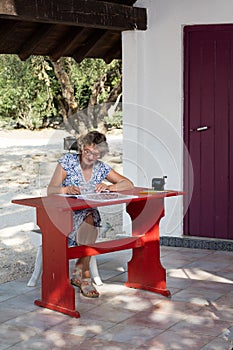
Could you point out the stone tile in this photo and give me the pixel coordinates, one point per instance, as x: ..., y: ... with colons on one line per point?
x: 210, y: 265
x: 171, y: 340
x: 175, y: 262
x: 131, y: 301
x: 11, y: 334
x: 227, y: 273
x: 40, y: 320
x: 200, y: 296
x: 226, y: 300
x: 121, y: 278
x: 178, y: 283
x: 106, y: 274
x: 196, y: 274
x: 228, y: 334
x: 16, y: 287
x: 7, y: 313
x: 192, y: 254
x: 108, y: 313
x: 185, y: 256
x: 219, y: 344
x: 102, y: 344
x: 23, y: 301
x: 4, y: 346
x: 82, y: 327
x: 180, y: 309
x: 221, y: 255
x: 196, y: 317
x: 184, y: 274
x: 222, y: 288
x: 50, y: 340
x: 129, y: 333
x: 203, y: 325
x: 214, y: 310
x: 152, y: 318
x: 7, y: 293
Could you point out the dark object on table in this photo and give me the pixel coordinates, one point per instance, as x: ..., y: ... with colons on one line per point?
x: 158, y: 183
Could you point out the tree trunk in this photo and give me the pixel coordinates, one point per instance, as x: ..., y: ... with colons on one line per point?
x: 79, y: 122
x: 116, y: 91
x: 67, y: 99
x: 92, y: 111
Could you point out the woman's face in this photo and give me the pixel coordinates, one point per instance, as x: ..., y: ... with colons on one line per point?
x: 90, y: 154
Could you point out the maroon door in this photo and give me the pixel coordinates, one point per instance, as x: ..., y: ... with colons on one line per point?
x: 208, y: 129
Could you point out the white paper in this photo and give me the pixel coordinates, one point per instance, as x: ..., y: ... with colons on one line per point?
x: 100, y: 197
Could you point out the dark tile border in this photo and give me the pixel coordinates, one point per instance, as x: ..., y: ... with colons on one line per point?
x: 198, y: 243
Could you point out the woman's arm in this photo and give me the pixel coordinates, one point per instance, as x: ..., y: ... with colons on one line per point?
x: 118, y: 183
x: 55, y: 185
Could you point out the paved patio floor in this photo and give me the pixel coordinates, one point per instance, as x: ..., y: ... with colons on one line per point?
x: 198, y: 316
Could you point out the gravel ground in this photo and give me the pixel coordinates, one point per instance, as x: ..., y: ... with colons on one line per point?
x: 27, y: 163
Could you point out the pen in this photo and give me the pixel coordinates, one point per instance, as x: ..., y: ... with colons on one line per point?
x: 151, y: 192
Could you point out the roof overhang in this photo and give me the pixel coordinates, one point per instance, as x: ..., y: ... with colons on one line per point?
x: 75, y: 28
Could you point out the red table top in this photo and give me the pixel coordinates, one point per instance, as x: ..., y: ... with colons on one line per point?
x: 67, y: 203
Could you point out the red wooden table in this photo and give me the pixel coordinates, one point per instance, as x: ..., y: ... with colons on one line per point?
x: 54, y: 217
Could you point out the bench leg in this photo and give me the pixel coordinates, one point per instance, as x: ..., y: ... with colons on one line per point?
x: 37, y: 269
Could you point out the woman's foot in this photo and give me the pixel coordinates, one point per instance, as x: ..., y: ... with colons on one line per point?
x: 76, y: 279
x: 84, y: 284
x: 87, y: 288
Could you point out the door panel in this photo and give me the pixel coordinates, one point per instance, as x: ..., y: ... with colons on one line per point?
x: 208, y: 109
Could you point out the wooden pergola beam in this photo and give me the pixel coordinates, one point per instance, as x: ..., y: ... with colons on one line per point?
x: 88, y: 46
x: 68, y: 42
x: 84, y: 13
x: 6, y: 29
x: 115, y: 50
x: 36, y: 38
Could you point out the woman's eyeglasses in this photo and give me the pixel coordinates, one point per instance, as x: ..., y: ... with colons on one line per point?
x: 89, y: 153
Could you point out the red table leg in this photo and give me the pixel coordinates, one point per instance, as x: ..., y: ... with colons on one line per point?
x: 56, y: 291
x: 145, y: 270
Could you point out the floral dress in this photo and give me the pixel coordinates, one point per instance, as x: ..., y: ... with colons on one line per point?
x: 70, y: 162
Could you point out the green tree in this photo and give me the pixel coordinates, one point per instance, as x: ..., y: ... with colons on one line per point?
x: 27, y: 90
x: 37, y: 91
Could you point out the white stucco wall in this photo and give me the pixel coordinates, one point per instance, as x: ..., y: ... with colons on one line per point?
x: 153, y: 94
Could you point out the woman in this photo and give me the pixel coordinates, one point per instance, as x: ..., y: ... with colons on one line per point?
x: 72, y: 172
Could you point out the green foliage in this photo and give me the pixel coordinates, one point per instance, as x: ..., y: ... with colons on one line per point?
x: 85, y: 74
x: 26, y: 90
x: 114, y: 122
x: 29, y: 91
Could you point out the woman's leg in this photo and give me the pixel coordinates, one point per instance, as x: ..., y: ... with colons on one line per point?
x: 86, y: 234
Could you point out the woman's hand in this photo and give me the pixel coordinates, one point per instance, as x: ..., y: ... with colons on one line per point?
x: 72, y: 190
x: 101, y: 187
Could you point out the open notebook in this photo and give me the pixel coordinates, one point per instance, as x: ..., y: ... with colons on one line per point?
x: 100, y: 197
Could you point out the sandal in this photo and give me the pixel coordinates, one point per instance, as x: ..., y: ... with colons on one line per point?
x: 87, y: 289
x: 76, y: 279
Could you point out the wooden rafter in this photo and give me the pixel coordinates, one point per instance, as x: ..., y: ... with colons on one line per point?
x: 6, y: 29
x: 85, y: 13
x: 35, y: 39
x: 114, y: 51
x: 88, y: 45
x: 70, y: 40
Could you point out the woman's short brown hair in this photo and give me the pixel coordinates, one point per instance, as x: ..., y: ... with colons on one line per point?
x: 95, y: 138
